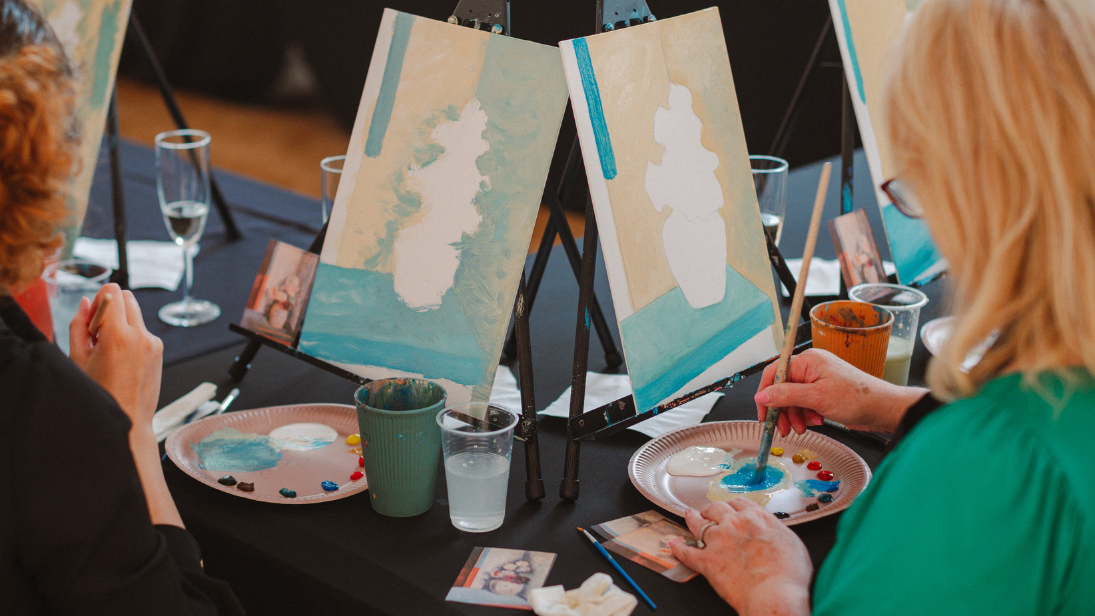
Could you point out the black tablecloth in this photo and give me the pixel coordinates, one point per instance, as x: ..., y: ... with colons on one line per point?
x: 341, y: 556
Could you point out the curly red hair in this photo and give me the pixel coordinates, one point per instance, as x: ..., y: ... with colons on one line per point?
x: 37, y: 151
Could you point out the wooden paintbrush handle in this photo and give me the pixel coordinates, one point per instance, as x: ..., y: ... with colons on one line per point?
x: 100, y: 314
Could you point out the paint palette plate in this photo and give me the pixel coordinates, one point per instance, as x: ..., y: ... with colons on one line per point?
x: 302, y: 471
x: 648, y: 474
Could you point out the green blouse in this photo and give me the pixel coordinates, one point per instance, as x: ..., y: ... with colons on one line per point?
x: 986, y: 507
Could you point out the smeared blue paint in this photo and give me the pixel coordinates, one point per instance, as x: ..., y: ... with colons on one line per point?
x: 742, y: 480
x: 393, y: 68
x: 587, y: 319
x: 810, y: 487
x: 329, y: 486
x: 228, y: 449
x: 911, y: 244
x: 850, y: 40
x: 596, y: 111
x: 668, y: 343
x: 846, y: 204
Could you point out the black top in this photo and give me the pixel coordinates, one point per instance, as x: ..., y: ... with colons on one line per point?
x: 75, y: 533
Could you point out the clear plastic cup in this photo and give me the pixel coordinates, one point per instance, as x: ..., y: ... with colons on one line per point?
x: 67, y: 283
x: 476, y: 443
x: 905, y: 304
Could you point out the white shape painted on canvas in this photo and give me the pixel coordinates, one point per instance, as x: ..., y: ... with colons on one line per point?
x: 694, y: 235
x: 66, y: 25
x: 427, y: 253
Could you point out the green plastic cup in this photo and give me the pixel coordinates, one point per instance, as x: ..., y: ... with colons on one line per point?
x: 401, y: 443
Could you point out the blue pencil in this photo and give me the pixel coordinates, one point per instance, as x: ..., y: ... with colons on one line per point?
x: 616, y: 565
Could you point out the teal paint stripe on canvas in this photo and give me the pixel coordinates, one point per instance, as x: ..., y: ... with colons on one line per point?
x: 851, y: 51
x: 596, y: 112
x: 752, y: 323
x: 911, y: 244
x: 104, y: 50
x: 668, y: 340
x: 385, y: 100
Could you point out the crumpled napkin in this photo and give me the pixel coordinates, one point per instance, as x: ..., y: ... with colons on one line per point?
x: 604, y: 388
x: 597, y: 596
x: 173, y: 415
x: 152, y: 265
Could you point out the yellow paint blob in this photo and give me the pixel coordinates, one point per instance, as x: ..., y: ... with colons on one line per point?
x: 353, y: 439
x: 777, y: 451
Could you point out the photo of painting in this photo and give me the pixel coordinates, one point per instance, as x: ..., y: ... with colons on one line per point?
x: 280, y: 293
x: 672, y: 190
x: 645, y: 538
x: 867, y: 31
x: 501, y: 578
x: 91, y: 32
x: 434, y: 213
x: 856, y: 249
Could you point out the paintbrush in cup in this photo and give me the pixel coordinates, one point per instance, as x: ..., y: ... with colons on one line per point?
x: 100, y: 314
x: 792, y: 322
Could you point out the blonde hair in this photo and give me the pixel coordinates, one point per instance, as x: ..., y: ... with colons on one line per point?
x: 991, y: 115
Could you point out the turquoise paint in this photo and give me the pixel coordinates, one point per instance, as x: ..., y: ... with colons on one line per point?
x: 668, y: 343
x: 587, y: 319
x: 846, y: 203
x: 741, y: 480
x: 228, y: 449
x: 596, y: 112
x: 851, y: 51
x: 810, y: 487
x: 355, y: 317
x: 104, y: 50
x: 911, y: 244
x: 393, y: 68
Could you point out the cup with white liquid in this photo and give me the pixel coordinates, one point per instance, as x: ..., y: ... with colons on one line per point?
x: 905, y: 304
x: 476, y: 442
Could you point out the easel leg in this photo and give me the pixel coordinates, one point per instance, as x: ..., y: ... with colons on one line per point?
x: 117, y: 194
x: 847, y: 159
x: 779, y: 142
x: 569, y: 488
x: 534, y: 484
x: 168, y: 95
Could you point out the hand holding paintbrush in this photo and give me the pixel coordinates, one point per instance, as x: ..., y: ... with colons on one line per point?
x: 792, y: 321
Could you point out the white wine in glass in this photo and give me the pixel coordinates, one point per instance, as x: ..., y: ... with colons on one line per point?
x: 182, y: 183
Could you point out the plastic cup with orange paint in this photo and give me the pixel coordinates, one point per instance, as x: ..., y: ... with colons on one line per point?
x: 856, y: 332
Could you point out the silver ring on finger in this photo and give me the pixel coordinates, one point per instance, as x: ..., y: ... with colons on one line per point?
x: 703, y: 530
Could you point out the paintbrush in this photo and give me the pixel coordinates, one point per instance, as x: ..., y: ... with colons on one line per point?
x: 792, y: 322
x: 616, y: 565
x: 100, y: 314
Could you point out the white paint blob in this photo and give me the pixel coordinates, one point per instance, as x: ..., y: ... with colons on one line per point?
x: 694, y: 235
x: 304, y: 436
x: 698, y: 461
x: 427, y: 253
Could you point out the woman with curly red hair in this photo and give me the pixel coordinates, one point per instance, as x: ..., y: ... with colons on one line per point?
x: 87, y: 524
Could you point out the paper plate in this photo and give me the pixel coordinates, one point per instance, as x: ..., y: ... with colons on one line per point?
x: 934, y: 333
x: 302, y: 471
x: 647, y: 468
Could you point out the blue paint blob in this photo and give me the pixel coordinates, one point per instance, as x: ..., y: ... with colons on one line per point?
x: 230, y: 450
x: 825, y: 498
x: 329, y: 486
x: 287, y: 493
x: 810, y: 487
x: 742, y: 479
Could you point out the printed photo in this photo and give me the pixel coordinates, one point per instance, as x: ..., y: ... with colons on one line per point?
x: 856, y: 249
x: 500, y: 577
x: 280, y: 293
x: 644, y: 539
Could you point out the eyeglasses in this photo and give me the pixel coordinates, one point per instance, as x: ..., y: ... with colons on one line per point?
x: 902, y: 198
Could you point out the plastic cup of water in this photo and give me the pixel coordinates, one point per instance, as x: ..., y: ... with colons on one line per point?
x: 476, y: 443
x: 67, y: 283
x: 905, y: 304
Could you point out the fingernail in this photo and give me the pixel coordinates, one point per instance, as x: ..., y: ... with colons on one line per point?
x: 762, y: 397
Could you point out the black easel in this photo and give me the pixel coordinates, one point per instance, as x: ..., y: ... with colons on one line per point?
x: 492, y: 16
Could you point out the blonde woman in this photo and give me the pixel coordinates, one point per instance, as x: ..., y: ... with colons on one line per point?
x: 987, y: 503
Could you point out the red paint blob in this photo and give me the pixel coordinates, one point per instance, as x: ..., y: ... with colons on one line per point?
x: 361, y: 461
x: 825, y: 475
x: 357, y: 475
x: 814, y: 466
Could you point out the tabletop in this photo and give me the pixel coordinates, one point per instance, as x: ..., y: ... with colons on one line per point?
x: 340, y: 555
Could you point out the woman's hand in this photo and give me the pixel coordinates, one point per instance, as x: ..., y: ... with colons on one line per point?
x: 124, y: 358
x: 754, y: 562
x: 820, y: 384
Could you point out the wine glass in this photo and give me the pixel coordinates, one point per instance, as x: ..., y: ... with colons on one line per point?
x: 770, y: 180
x: 182, y: 183
x: 329, y: 175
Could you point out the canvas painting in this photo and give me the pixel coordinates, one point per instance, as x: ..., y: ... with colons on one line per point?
x: 856, y: 249
x: 669, y: 176
x: 867, y: 31
x: 279, y: 296
x: 434, y: 213
x: 91, y: 31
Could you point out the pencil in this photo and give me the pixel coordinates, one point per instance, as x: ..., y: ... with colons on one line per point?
x: 616, y: 565
x: 100, y: 314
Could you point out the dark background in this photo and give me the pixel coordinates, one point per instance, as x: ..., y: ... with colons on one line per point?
x: 236, y: 49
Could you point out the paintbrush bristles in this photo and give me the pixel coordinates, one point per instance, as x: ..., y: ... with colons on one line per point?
x: 804, y: 272
x: 100, y: 314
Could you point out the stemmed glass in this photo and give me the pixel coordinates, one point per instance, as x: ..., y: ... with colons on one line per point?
x: 182, y: 182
